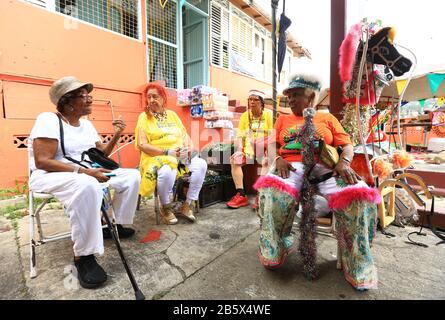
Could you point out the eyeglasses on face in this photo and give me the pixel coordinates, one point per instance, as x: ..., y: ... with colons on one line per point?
x: 85, y: 96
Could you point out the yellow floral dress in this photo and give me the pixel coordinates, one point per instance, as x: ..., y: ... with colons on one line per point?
x: 168, y: 133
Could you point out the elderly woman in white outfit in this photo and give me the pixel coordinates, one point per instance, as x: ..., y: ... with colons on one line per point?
x: 78, y: 188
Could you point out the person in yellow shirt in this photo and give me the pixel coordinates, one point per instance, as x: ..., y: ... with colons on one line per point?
x: 164, y: 144
x: 255, y: 126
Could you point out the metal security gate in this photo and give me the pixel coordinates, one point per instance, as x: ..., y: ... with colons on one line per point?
x: 162, y: 42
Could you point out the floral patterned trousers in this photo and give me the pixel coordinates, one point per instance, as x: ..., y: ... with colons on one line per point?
x: 355, y: 212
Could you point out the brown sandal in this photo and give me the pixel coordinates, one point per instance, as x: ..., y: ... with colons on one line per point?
x: 168, y: 216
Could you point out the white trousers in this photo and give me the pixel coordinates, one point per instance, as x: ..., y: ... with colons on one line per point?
x: 167, y: 177
x: 325, y: 188
x: 82, y: 196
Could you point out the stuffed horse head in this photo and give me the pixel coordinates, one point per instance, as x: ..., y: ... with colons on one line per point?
x: 381, y: 50
x: 381, y: 57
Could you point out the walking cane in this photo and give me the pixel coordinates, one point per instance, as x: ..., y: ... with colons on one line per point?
x: 138, y: 293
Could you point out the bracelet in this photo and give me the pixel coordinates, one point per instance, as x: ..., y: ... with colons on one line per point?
x: 165, y: 152
x: 276, y: 158
x: 346, y: 160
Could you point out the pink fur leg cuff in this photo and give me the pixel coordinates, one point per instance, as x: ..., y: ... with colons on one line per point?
x: 344, y: 198
x: 276, y: 183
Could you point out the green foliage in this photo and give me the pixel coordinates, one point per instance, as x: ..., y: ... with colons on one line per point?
x: 21, y: 188
x: 13, y: 212
x: 7, y: 193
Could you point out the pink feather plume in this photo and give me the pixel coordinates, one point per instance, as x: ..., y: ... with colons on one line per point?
x: 348, y: 52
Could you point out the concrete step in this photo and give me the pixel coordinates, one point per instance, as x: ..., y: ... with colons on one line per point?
x: 241, y: 109
x: 234, y: 103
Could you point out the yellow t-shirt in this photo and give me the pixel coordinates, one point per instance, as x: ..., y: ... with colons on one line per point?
x: 254, y: 129
x: 166, y: 134
x: 258, y: 127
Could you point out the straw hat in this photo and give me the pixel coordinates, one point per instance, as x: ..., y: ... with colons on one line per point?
x: 65, y: 85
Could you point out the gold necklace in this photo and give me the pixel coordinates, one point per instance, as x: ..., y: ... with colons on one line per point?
x: 259, y: 120
x: 160, y: 116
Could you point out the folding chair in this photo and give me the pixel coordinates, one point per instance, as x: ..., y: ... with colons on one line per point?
x: 106, y: 207
x: 157, y: 205
x: 34, y: 220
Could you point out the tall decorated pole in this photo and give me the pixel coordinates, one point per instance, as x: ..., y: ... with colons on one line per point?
x: 308, y: 224
x: 274, y: 56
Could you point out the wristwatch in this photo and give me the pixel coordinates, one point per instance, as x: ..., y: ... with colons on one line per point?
x: 76, y: 168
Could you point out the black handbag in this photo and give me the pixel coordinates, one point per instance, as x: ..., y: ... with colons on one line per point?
x: 95, y: 155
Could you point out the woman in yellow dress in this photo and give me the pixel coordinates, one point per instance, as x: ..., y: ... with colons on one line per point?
x: 164, y: 144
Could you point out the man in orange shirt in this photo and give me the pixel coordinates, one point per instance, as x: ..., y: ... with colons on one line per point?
x: 350, y: 199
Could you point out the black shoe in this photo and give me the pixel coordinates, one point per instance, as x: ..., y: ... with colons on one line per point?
x: 123, y: 232
x: 89, y: 272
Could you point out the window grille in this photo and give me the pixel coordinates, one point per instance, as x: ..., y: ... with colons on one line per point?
x: 162, y: 42
x: 120, y: 16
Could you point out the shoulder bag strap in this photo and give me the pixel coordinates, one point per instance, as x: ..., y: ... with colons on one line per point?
x: 62, y: 144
